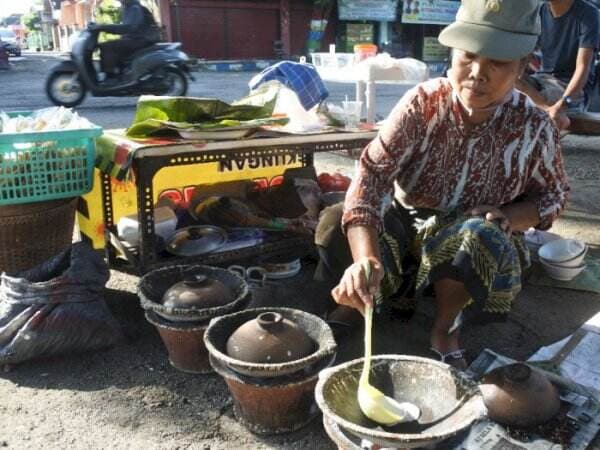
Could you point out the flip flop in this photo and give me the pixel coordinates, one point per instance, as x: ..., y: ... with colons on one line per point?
x: 455, y: 358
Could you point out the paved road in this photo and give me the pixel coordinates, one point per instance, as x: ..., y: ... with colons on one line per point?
x: 22, y: 88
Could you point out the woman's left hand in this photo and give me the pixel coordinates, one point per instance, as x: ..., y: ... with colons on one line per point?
x: 493, y: 214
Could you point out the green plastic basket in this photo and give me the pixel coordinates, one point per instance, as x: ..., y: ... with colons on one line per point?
x: 47, y: 165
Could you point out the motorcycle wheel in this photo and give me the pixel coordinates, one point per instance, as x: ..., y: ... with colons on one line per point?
x: 65, y: 89
x: 177, y: 82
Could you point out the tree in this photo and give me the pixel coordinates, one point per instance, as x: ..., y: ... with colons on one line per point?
x: 32, y: 21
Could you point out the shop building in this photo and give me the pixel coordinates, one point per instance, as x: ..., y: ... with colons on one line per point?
x: 229, y: 29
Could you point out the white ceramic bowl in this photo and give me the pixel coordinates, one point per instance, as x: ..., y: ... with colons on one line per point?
x: 564, y: 252
x: 562, y: 273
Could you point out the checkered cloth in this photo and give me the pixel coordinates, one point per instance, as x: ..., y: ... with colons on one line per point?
x: 303, y: 79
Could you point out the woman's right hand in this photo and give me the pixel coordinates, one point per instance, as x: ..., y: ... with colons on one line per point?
x: 353, y: 290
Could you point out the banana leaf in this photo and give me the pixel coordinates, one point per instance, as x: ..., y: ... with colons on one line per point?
x: 156, y: 114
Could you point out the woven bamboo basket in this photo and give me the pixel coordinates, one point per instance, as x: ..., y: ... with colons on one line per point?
x: 31, y: 233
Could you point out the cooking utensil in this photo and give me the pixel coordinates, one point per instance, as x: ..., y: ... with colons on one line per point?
x: 221, y: 328
x: 196, y: 240
x: 449, y: 401
x: 281, y: 270
x: 154, y: 284
x: 264, y: 293
x: 269, y: 339
x: 375, y: 404
x: 518, y: 396
x: 197, y: 291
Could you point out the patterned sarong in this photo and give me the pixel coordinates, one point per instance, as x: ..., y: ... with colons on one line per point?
x: 466, y: 249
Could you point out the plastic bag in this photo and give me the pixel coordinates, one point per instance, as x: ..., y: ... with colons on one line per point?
x: 56, y: 308
x: 383, y: 66
x: 301, y: 120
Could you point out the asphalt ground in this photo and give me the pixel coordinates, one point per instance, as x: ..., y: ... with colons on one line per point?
x: 129, y: 397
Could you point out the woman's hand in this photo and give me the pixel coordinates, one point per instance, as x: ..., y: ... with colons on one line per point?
x: 493, y: 214
x: 559, y: 116
x: 353, y: 289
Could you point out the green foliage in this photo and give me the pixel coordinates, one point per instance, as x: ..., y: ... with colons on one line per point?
x: 32, y: 21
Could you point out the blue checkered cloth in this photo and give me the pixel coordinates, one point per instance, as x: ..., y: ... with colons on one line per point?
x: 303, y: 79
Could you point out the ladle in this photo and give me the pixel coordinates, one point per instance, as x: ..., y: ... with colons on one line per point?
x: 373, y: 403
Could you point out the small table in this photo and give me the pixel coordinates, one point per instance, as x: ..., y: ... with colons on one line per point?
x: 146, y: 161
x: 365, y: 77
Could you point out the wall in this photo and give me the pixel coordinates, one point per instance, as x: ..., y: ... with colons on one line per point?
x: 228, y: 29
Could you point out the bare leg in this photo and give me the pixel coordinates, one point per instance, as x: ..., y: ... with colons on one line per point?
x: 450, y: 297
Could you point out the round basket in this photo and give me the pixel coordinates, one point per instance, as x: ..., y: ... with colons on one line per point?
x: 31, y: 233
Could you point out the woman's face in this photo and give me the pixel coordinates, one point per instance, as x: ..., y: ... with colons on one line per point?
x: 482, y: 82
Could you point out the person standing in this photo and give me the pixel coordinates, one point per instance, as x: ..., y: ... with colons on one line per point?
x: 568, y: 41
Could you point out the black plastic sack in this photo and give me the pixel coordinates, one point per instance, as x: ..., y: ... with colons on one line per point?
x: 56, y: 308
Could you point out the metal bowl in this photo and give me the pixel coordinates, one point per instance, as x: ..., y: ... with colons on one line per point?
x: 448, y: 400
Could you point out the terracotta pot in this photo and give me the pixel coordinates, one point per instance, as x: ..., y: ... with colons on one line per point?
x: 269, y: 339
x: 221, y: 329
x: 273, y: 405
x: 516, y: 395
x: 155, y: 284
x: 184, y: 343
x: 271, y: 398
x: 197, y: 291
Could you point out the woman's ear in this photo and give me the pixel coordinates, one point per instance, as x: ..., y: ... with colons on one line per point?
x: 523, y: 63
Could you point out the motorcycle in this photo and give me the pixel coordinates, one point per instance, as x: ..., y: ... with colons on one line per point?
x: 159, y: 69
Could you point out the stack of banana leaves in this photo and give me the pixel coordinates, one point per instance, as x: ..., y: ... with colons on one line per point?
x: 204, y: 117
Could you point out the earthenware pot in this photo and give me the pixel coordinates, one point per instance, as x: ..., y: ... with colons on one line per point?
x: 518, y: 396
x: 197, y: 291
x: 269, y: 339
x: 184, y: 343
x: 191, y: 305
x: 271, y: 398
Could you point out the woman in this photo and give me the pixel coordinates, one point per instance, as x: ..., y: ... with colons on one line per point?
x: 473, y: 163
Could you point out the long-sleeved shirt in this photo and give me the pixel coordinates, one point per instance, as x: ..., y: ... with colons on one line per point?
x: 425, y: 153
x: 137, y: 23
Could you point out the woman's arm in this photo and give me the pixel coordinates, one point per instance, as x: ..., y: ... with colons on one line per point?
x: 379, y: 165
x: 354, y: 289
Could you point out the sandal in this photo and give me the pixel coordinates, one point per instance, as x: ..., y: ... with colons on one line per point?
x: 455, y: 358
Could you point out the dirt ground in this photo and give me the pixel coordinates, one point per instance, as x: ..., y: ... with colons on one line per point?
x: 129, y: 397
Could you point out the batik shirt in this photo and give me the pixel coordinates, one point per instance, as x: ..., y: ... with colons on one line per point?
x: 425, y: 153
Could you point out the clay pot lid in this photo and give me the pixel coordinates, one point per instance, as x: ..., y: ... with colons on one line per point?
x: 519, y: 396
x: 269, y: 339
x: 197, y: 291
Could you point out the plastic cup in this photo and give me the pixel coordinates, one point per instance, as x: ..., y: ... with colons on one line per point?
x: 352, y: 112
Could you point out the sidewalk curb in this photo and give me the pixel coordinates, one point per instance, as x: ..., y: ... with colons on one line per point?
x: 241, y: 65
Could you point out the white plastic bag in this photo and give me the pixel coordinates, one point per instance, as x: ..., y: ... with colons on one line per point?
x: 301, y: 120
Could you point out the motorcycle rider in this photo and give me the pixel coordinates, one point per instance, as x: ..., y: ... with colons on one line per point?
x: 138, y: 30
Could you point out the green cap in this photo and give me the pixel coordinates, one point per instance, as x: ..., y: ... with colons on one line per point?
x: 496, y: 29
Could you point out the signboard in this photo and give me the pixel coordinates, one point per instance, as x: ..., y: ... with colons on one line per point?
x: 433, y: 50
x: 377, y: 10
x: 437, y: 12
